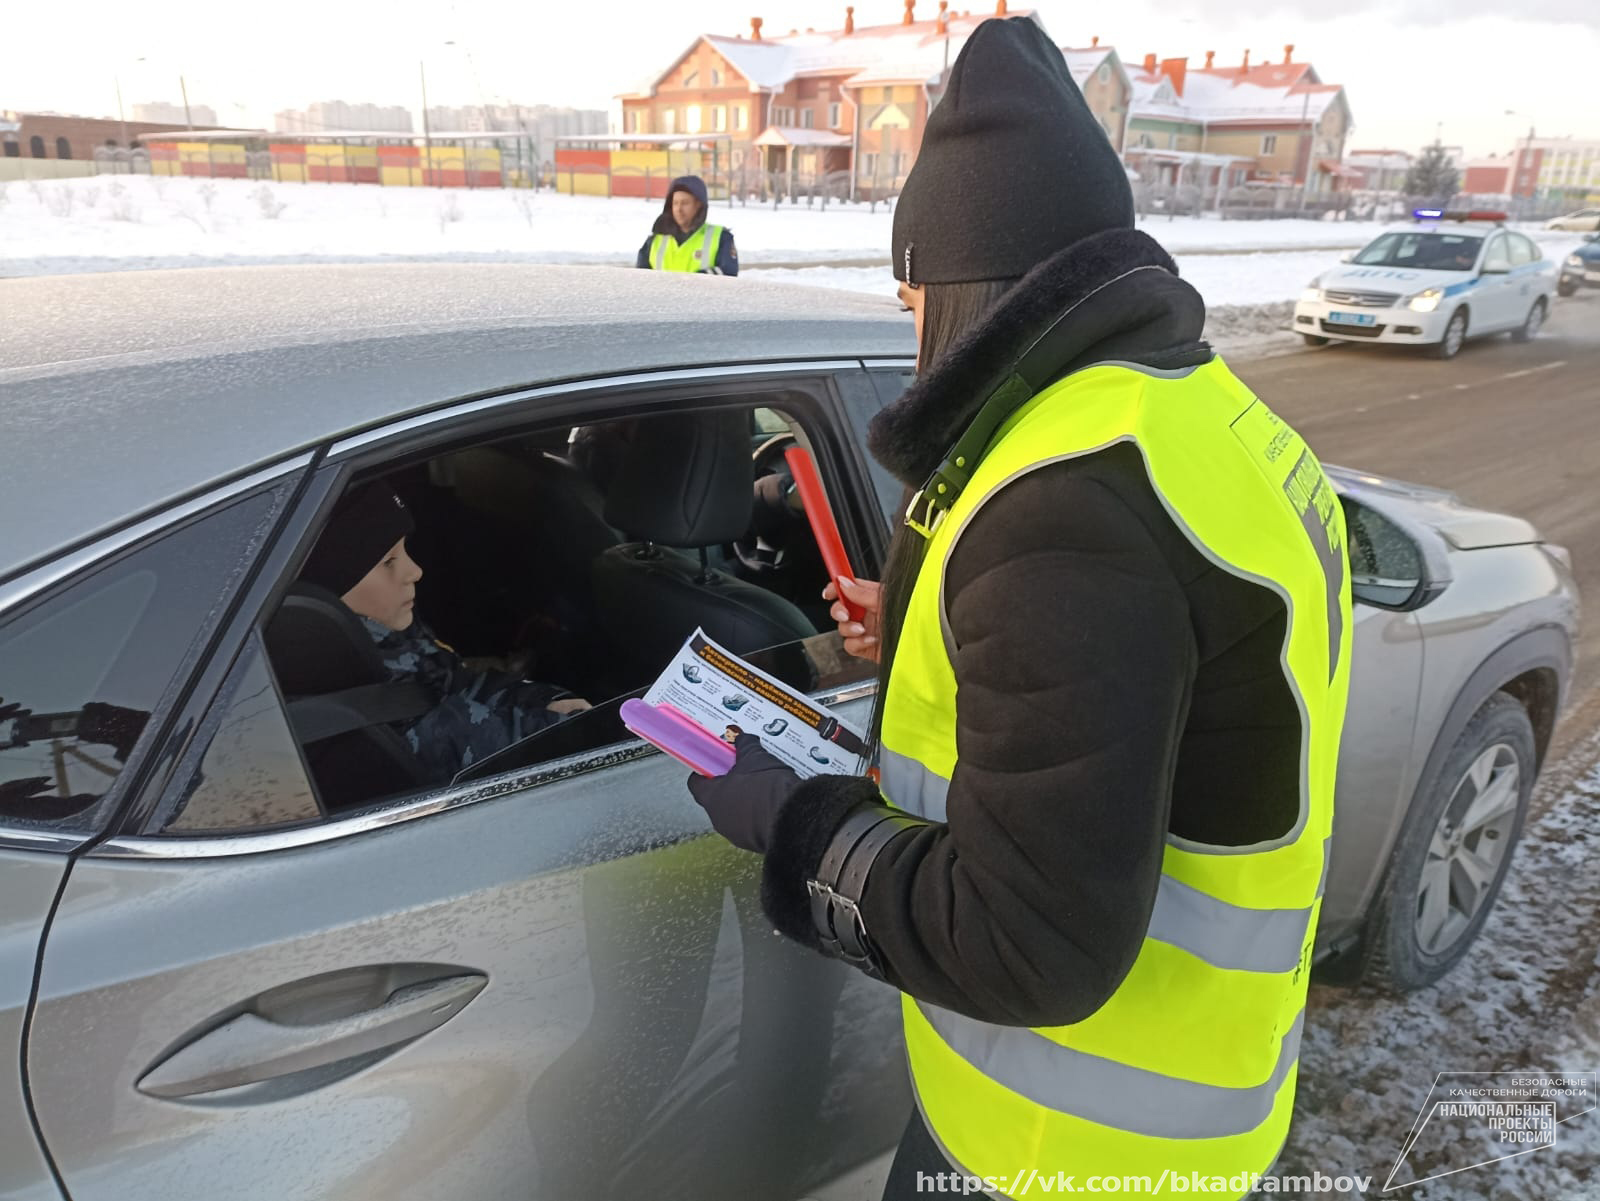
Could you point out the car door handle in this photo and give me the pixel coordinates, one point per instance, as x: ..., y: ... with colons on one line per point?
x: 249, y: 1048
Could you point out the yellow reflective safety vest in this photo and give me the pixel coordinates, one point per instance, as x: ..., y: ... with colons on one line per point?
x: 1190, y: 1066
x: 697, y: 253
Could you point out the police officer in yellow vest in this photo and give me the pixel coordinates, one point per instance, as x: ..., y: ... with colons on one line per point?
x: 681, y: 240
x: 1113, y: 641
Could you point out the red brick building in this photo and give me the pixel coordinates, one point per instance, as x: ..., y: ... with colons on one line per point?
x: 851, y: 103
x: 52, y: 136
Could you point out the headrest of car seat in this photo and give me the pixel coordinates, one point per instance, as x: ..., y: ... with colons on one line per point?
x: 685, y: 480
x: 317, y: 645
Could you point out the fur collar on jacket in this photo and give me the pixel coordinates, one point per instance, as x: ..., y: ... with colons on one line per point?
x: 1123, y: 300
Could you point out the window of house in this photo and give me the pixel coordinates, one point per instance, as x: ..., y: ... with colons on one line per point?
x: 63, y: 148
x: 808, y: 118
x: 869, y: 164
x: 719, y: 118
x: 1104, y: 73
x: 36, y: 146
x: 1269, y: 144
x: 1172, y: 141
x: 287, y: 740
x: 782, y: 116
x: 691, y: 123
x: 692, y: 78
x: 12, y: 148
x: 716, y: 78
x: 1146, y: 142
x: 669, y: 120
x: 833, y: 116
x: 740, y: 116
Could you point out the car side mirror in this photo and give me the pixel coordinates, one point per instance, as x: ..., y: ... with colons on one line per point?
x: 1348, y: 256
x: 1393, y: 564
x: 1591, y: 237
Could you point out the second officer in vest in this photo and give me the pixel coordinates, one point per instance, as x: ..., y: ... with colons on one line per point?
x: 1114, y: 649
x: 682, y: 241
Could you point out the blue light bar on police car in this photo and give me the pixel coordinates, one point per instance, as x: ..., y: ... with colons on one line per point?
x: 1426, y: 214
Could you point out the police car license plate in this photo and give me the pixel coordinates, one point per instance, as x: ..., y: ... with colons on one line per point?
x: 1352, y: 318
x: 1591, y: 277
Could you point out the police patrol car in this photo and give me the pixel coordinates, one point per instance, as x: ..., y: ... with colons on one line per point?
x: 1447, y: 277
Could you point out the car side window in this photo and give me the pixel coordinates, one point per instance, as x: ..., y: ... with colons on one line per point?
x: 83, y: 672
x: 1498, y: 256
x: 548, y: 588
x: 244, y: 768
x: 1522, y: 250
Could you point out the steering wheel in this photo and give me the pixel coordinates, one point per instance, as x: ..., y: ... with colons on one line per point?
x: 761, y: 549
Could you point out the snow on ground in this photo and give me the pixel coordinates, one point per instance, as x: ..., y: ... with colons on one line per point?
x: 1525, y: 997
x: 121, y: 222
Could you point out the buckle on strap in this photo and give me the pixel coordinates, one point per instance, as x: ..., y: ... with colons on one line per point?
x: 932, y: 503
x: 843, y: 940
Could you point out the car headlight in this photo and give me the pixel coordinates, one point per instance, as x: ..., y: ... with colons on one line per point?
x: 1311, y: 293
x: 1574, y: 261
x: 1425, y: 301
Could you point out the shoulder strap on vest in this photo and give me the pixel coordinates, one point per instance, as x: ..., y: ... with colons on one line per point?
x: 1028, y: 377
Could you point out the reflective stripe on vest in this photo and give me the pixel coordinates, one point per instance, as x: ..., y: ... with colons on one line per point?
x: 1226, y: 936
x: 1113, y: 1094
x: 666, y: 254
x: 1190, y: 1063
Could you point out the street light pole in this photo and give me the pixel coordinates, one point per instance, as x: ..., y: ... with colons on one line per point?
x: 121, y: 116
x: 427, y: 136
x: 183, y: 89
x: 1523, y: 162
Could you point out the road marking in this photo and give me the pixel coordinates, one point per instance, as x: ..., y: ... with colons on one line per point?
x: 1531, y: 370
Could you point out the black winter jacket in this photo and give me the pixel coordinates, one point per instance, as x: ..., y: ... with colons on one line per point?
x: 1115, y: 686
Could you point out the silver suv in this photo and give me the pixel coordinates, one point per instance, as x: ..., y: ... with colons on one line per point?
x: 246, y: 952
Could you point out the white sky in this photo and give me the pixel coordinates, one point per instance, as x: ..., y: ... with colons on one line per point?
x: 1408, y: 65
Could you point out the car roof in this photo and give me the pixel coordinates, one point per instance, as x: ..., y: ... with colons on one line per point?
x: 122, y: 393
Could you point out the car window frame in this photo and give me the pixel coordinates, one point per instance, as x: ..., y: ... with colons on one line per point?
x: 841, y: 461
x: 43, y: 584
x: 1490, y: 245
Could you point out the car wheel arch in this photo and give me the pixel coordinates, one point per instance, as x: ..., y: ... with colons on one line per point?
x: 1529, y: 667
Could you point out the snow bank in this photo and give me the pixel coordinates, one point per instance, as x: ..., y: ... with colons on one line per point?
x: 120, y: 223
x: 1523, y: 998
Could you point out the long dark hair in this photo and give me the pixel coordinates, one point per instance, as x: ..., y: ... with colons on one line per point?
x: 950, y: 312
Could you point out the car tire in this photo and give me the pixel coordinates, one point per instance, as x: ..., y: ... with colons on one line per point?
x: 1566, y: 289
x: 1531, y: 324
x: 1455, y: 333
x: 1316, y: 339
x: 1455, y: 849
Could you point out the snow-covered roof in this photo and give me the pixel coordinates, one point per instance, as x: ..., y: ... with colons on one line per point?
x: 783, y: 135
x: 878, y: 54
x: 1082, y: 63
x: 1222, y: 95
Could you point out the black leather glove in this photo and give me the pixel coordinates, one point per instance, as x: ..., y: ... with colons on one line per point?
x: 743, y: 804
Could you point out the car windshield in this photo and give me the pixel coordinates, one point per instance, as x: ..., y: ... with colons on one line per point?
x: 1429, y: 251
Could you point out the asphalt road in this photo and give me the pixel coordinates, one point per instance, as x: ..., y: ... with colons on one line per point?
x: 1506, y: 426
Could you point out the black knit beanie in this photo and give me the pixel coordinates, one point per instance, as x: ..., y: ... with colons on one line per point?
x: 365, y: 524
x: 1013, y: 166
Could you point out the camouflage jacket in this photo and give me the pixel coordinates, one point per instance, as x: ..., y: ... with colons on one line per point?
x: 476, y: 712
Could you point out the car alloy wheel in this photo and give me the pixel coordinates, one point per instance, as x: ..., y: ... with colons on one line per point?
x: 1469, y: 844
x: 1455, y: 334
x: 1531, y: 327
x: 1454, y: 850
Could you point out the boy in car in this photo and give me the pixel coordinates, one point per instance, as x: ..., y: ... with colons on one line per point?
x: 361, y: 558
